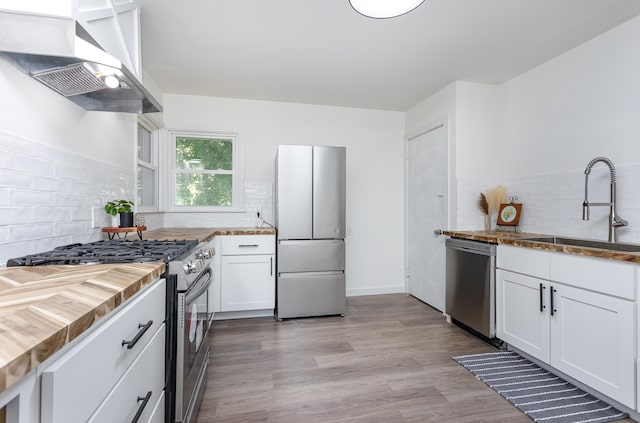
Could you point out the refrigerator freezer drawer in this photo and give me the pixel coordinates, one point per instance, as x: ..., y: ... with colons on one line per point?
x: 303, y: 295
x: 310, y: 256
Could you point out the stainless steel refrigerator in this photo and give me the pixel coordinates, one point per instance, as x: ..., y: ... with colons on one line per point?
x: 310, y: 222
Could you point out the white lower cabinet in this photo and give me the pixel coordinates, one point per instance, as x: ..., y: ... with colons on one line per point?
x: 247, y: 282
x: 592, y: 339
x: 584, y: 325
x: 126, y: 349
x: 247, y: 273
x: 138, y: 391
x: 522, y: 315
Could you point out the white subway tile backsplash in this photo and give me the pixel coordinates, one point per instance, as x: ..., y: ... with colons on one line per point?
x: 29, y: 164
x: 45, y: 183
x: 30, y: 232
x: 13, y: 179
x: 552, y: 203
x: 71, y: 172
x: 46, y: 196
x: 16, y: 215
x: 30, y: 198
x: 52, y: 214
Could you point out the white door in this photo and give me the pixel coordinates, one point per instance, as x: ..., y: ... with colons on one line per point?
x: 426, y: 204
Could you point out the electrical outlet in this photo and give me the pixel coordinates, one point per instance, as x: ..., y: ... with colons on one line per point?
x: 94, y: 220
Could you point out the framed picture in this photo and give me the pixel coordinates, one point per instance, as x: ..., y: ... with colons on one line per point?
x: 509, y: 214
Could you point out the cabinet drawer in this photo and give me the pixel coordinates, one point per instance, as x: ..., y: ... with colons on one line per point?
x: 523, y: 260
x: 600, y: 275
x: 144, y: 377
x: 248, y: 244
x: 74, y: 385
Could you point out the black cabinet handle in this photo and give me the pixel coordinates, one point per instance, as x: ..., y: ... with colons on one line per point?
x: 271, y: 271
x: 247, y: 245
x: 143, y: 329
x: 553, y: 308
x: 542, y: 288
x: 144, y: 400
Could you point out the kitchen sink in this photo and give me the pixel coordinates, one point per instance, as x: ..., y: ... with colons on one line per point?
x: 589, y: 243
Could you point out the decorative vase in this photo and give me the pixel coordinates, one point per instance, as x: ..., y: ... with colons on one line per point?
x: 487, y: 222
x: 126, y: 219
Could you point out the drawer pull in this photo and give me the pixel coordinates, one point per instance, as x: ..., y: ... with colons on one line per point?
x: 143, y: 329
x: 144, y: 400
x: 247, y: 245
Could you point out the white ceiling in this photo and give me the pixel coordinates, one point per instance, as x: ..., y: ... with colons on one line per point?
x: 323, y: 52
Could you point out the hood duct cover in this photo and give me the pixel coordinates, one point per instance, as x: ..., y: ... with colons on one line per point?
x: 59, y: 53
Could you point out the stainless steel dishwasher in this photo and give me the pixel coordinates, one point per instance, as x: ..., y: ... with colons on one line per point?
x: 470, y: 285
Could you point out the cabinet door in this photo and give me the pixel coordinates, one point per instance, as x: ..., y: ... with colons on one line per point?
x: 592, y: 339
x: 248, y: 283
x: 522, y: 313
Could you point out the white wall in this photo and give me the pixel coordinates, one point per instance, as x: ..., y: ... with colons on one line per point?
x: 374, y: 141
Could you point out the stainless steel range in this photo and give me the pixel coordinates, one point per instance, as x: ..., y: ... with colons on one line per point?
x: 188, y: 278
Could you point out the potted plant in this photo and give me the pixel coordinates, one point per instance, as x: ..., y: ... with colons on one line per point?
x: 124, y: 207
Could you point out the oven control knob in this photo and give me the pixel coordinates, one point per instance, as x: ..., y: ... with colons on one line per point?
x: 208, y: 253
x: 193, y: 266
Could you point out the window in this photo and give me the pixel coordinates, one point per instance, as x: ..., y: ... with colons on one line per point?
x: 147, y: 166
x: 207, y: 171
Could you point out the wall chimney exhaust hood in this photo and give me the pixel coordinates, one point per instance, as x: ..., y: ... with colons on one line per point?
x: 59, y: 53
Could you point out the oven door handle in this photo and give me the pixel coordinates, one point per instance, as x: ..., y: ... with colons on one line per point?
x: 199, y: 286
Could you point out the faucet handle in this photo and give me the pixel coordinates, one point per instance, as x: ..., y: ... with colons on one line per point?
x: 619, y: 222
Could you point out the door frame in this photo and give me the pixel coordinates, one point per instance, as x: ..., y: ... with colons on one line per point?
x: 444, y: 123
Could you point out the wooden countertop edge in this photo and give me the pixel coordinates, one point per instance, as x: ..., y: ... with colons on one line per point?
x: 57, y: 330
x: 511, y: 238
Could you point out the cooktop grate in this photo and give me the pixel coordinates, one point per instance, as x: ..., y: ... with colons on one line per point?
x: 109, y: 251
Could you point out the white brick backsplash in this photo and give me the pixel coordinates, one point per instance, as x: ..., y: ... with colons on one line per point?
x: 46, y: 195
x: 45, y: 183
x: 13, y: 179
x: 71, y: 228
x: 72, y: 200
x: 30, y: 198
x: 29, y: 164
x: 28, y: 232
x: 11, y: 143
x: 16, y: 215
x: 4, y: 197
x: 552, y: 203
x: 52, y: 214
x: 15, y: 249
x: 70, y: 172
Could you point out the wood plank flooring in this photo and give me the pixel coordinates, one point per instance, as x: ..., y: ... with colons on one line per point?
x: 387, y: 360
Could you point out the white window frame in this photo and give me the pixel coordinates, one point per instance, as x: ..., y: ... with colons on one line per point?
x: 237, y: 200
x: 153, y: 127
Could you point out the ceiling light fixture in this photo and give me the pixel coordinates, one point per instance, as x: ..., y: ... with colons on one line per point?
x: 382, y: 9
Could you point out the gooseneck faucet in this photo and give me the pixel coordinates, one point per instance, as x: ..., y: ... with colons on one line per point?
x: 615, y: 221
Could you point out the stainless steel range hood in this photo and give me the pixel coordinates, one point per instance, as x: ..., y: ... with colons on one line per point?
x: 59, y: 53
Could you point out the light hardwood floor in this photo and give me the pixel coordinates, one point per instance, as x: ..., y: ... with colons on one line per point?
x: 387, y: 360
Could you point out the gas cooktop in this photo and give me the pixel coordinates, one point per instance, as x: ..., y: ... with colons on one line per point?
x: 106, y: 252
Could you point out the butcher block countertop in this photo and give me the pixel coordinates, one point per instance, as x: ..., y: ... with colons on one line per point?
x: 518, y: 239
x: 42, y: 308
x: 205, y: 234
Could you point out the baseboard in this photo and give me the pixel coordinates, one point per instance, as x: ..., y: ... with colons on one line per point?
x: 357, y: 292
x: 242, y: 314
